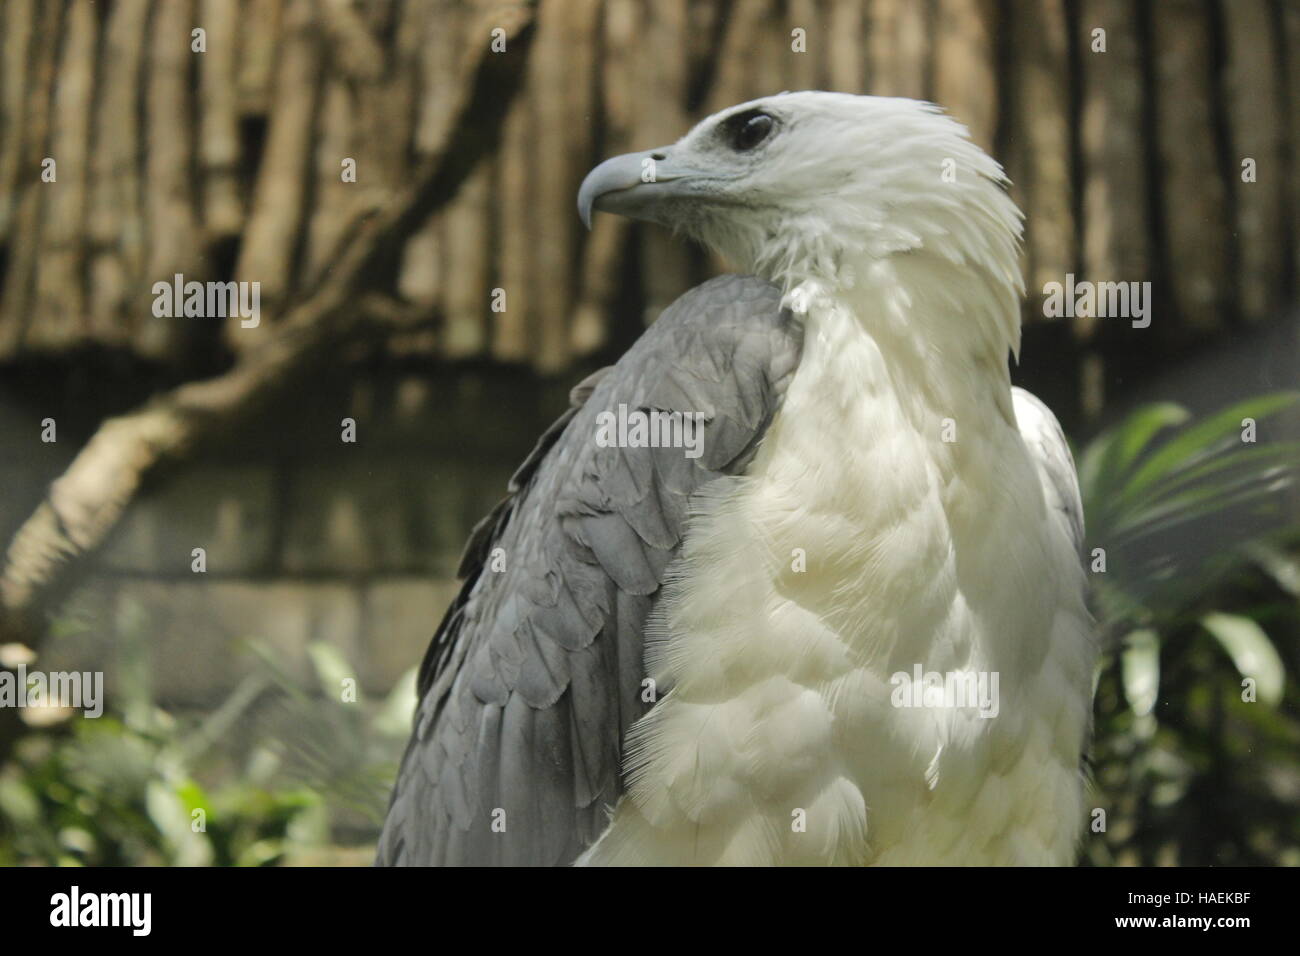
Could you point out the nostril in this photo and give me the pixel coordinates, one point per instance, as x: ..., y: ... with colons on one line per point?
x: 658, y: 157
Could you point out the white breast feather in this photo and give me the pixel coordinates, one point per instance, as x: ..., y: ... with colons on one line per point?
x: 778, y: 696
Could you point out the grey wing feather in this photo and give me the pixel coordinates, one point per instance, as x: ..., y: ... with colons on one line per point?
x: 534, y: 676
x: 1046, y: 442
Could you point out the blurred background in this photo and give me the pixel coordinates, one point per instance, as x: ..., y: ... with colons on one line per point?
x: 400, y: 176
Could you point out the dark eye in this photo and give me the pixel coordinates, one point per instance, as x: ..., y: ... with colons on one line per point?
x: 744, y: 131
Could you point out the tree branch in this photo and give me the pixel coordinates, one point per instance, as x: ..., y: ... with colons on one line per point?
x: 349, y: 302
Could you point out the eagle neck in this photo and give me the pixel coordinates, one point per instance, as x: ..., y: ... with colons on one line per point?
x: 934, y: 337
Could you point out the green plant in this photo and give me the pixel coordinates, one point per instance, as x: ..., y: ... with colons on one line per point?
x: 234, y: 788
x: 1197, y: 741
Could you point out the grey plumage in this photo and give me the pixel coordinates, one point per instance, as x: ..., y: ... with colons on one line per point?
x: 534, y: 676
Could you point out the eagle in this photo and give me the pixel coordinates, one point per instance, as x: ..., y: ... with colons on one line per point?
x: 846, y: 626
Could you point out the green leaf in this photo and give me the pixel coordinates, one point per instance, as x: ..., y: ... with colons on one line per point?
x: 1201, y: 437
x: 1140, y: 670
x: 18, y: 803
x: 1199, y: 503
x: 221, y: 722
x: 1281, y: 567
x: 167, y: 810
x: 1109, y: 456
x: 1253, y: 460
x: 1251, y: 651
x: 332, y: 669
x: 394, y: 718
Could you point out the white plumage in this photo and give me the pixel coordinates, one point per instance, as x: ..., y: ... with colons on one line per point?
x: 873, y: 499
x: 938, y: 529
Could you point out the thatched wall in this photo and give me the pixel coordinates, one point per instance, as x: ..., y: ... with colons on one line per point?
x: 227, y: 163
x: 1124, y: 128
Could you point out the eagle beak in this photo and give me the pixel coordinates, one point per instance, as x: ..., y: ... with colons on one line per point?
x: 634, y: 185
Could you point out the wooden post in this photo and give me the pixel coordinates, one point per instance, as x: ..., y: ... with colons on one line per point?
x: 1193, y: 198
x: 1253, y: 99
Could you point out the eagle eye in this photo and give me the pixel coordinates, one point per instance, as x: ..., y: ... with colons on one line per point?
x: 744, y: 131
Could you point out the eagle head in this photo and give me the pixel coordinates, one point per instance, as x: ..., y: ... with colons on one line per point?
x: 819, y: 185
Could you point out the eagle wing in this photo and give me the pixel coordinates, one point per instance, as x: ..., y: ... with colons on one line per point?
x: 1051, y: 452
x: 535, y: 674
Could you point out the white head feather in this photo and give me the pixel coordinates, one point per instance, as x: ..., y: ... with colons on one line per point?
x: 819, y: 187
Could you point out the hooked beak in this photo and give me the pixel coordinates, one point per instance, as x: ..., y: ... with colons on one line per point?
x: 635, y: 185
